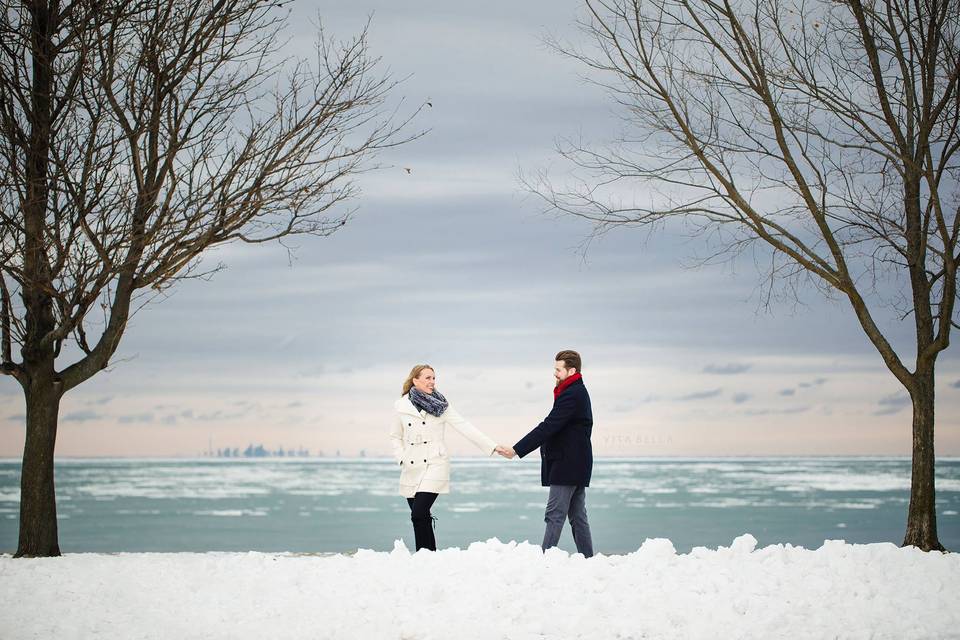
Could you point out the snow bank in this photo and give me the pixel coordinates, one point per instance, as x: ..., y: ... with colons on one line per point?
x: 490, y: 590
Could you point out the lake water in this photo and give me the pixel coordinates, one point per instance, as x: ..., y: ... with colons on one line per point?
x: 339, y: 505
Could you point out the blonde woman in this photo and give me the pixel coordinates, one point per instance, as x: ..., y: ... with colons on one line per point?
x: 419, y: 448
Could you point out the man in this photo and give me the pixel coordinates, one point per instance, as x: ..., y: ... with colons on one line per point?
x: 566, y: 455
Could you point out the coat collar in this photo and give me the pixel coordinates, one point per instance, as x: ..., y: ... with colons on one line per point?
x: 403, y: 405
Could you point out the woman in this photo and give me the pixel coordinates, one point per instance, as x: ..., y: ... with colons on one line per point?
x: 419, y: 448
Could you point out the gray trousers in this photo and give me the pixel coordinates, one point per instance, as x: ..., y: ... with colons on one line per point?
x: 567, y: 501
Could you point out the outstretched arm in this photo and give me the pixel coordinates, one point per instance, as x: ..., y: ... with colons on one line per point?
x: 559, y: 416
x: 469, y: 431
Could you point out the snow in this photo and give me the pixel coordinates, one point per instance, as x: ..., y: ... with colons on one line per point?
x: 489, y: 590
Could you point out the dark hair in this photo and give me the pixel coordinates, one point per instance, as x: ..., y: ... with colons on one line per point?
x: 571, y: 359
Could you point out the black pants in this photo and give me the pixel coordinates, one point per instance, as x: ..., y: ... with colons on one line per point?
x: 420, y: 505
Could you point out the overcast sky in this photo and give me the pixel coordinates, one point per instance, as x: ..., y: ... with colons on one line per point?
x: 452, y: 264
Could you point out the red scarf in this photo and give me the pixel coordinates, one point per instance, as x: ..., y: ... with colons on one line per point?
x: 557, y: 390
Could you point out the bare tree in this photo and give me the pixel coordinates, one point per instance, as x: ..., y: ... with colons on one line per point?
x: 822, y: 132
x: 135, y: 135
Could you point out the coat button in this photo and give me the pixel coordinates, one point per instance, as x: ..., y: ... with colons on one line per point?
x: 424, y: 422
x: 424, y: 459
x: 409, y: 424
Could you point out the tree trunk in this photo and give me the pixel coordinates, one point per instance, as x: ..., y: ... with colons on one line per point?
x: 38, y: 503
x: 42, y: 388
x: 922, y: 514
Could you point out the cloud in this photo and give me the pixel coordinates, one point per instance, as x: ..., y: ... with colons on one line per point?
x: 626, y: 407
x: 740, y: 398
x: 788, y: 392
x: 778, y: 412
x: 728, y: 369
x: 892, y: 403
x: 814, y: 383
x: 700, y: 395
x: 135, y: 417
x: 218, y: 414
x: 84, y: 415
x: 899, y: 399
x: 313, y: 371
x: 889, y: 411
x: 17, y: 417
x: 98, y: 401
x: 955, y: 384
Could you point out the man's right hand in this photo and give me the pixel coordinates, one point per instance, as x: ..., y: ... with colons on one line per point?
x: 506, y: 452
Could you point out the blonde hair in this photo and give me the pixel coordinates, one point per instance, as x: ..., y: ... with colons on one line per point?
x: 414, y: 373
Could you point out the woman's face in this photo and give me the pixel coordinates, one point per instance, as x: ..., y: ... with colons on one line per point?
x: 426, y: 381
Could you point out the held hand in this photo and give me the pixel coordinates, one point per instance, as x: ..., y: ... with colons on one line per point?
x: 506, y: 452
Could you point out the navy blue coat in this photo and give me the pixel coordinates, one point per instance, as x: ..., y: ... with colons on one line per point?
x: 566, y: 455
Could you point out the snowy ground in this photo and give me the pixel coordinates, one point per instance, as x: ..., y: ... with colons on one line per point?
x: 490, y: 590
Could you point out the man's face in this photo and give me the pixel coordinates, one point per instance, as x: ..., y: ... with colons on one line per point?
x: 560, y: 371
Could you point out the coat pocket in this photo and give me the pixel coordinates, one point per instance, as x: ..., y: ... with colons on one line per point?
x: 411, y: 470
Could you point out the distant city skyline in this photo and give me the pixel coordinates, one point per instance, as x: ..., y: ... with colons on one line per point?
x: 451, y: 264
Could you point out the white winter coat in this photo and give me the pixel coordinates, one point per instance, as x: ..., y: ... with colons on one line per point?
x: 421, y: 451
